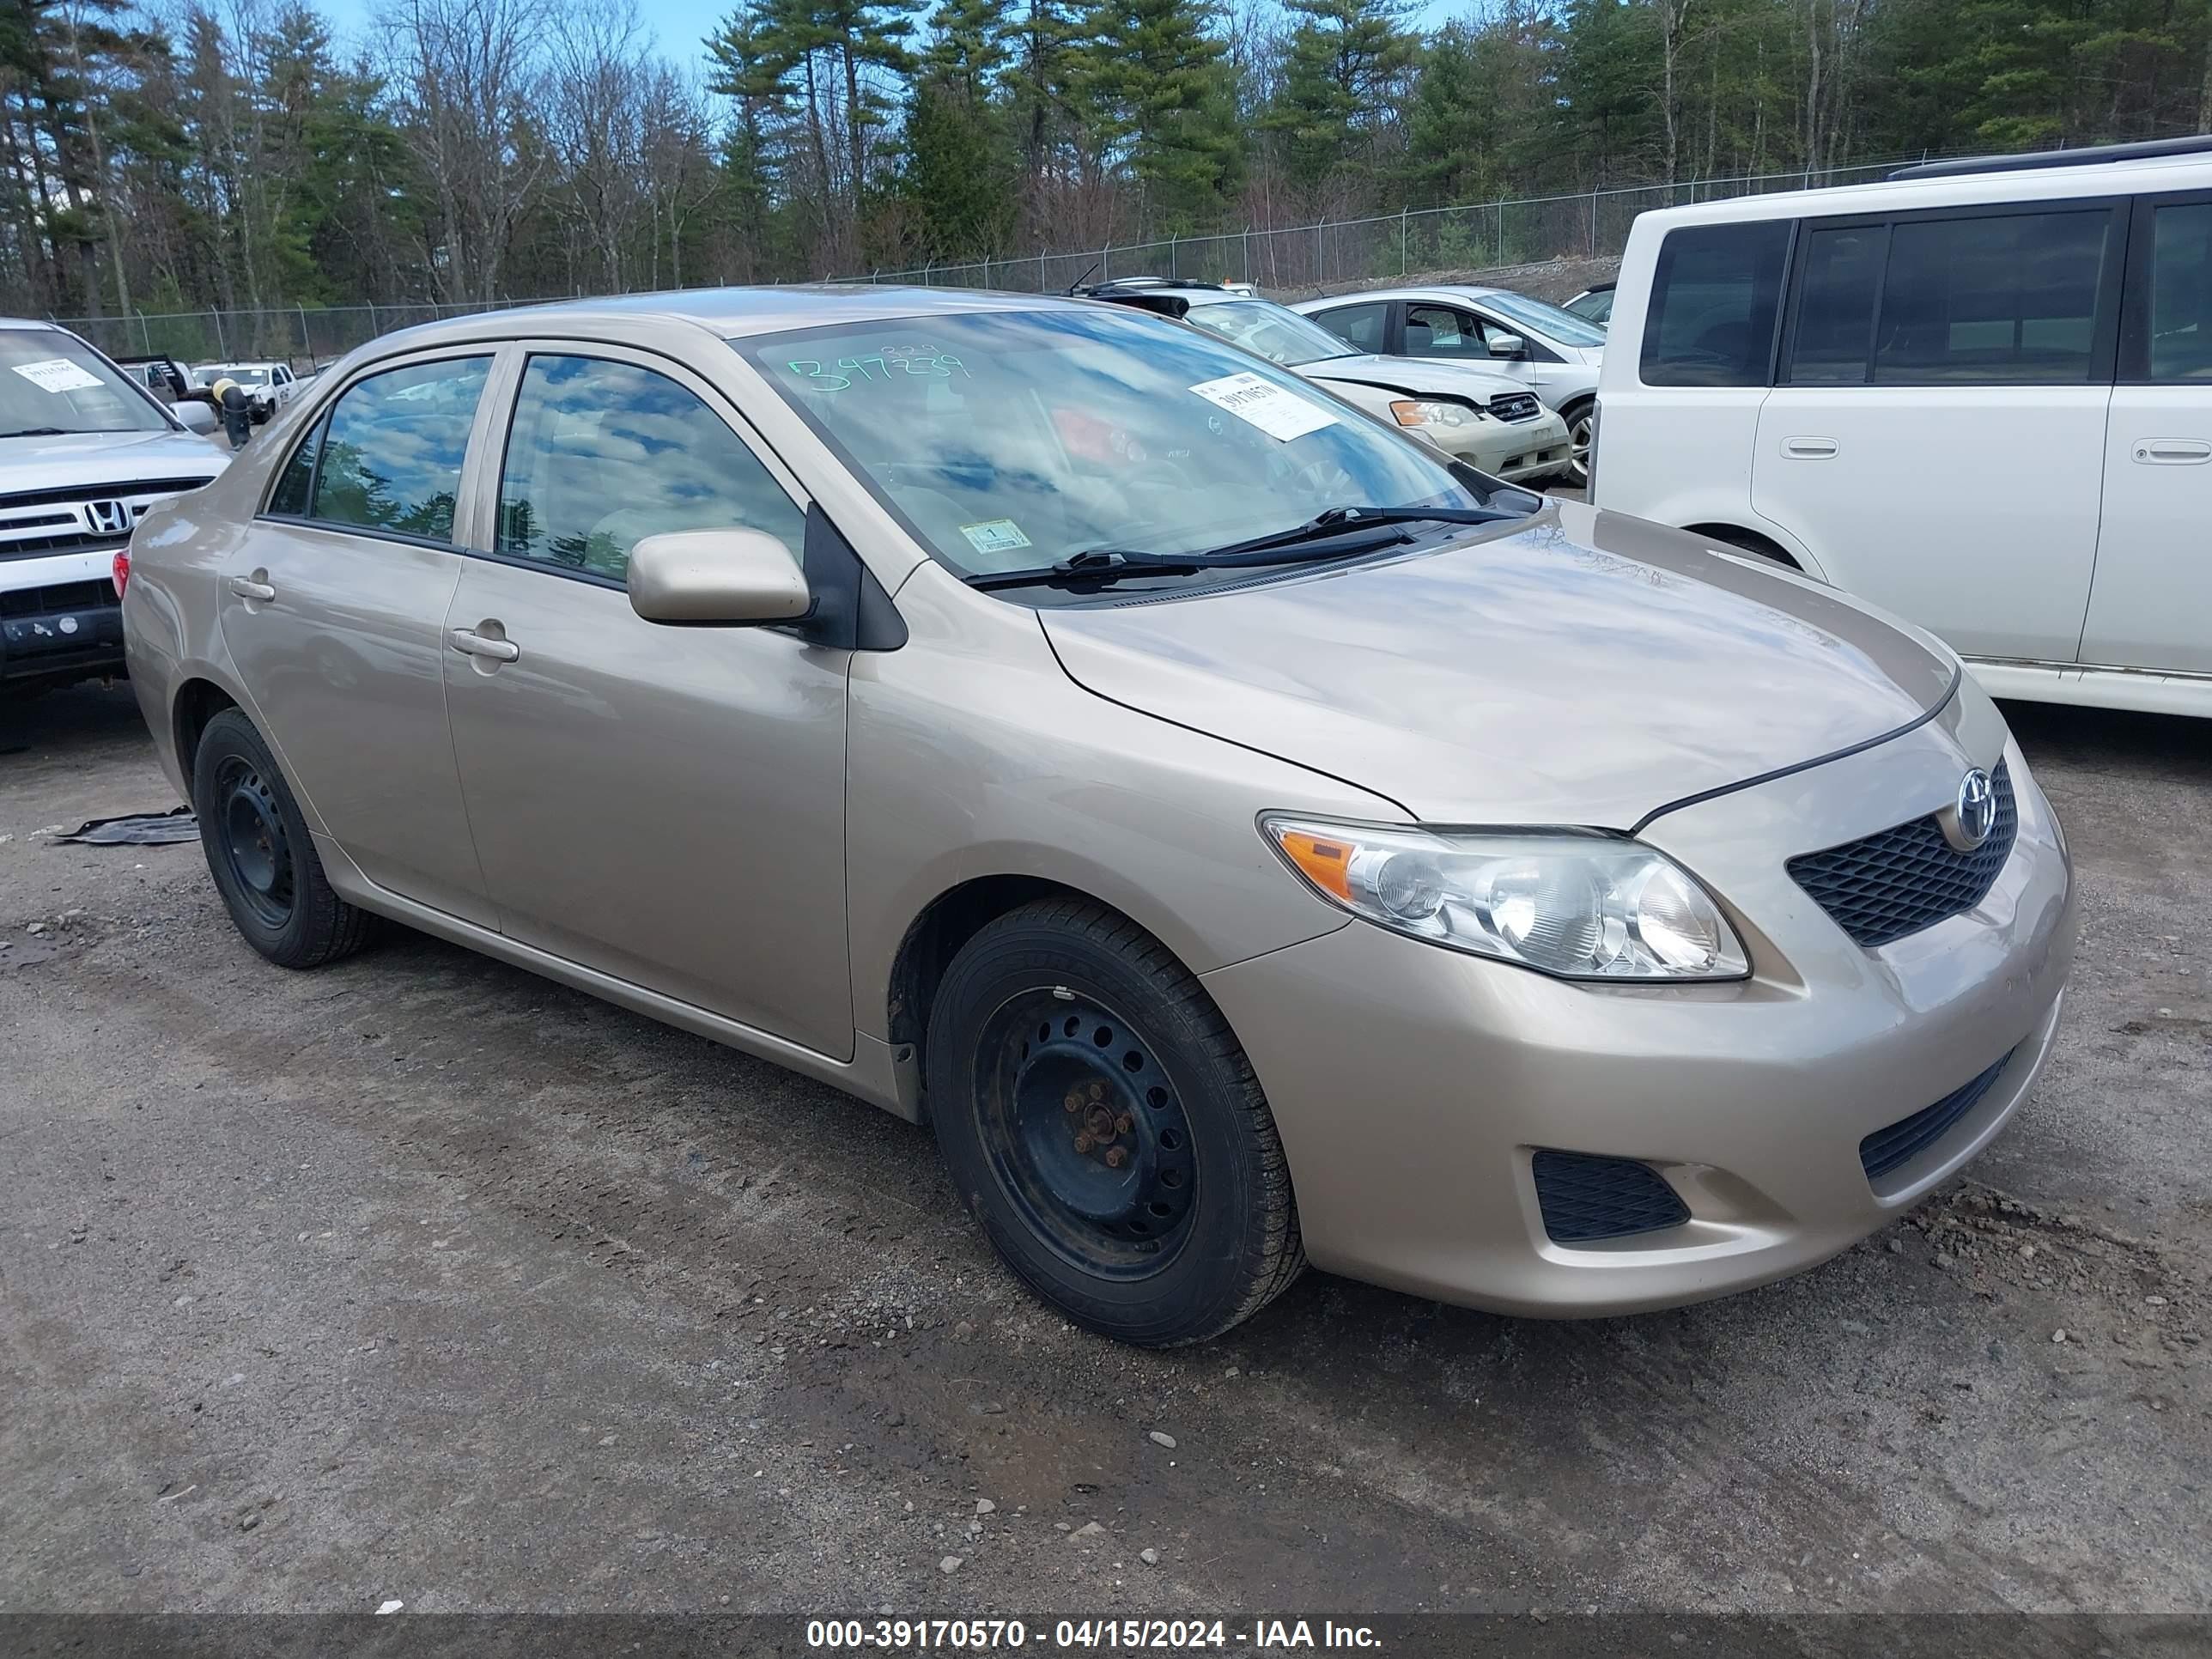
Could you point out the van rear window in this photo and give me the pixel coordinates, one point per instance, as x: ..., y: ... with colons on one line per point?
x: 1714, y: 301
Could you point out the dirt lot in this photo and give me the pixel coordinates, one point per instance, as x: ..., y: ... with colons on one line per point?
x: 419, y: 1277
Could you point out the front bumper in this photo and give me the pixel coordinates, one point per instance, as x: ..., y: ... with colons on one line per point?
x: 1414, y: 1085
x: 59, y: 619
x: 1518, y: 451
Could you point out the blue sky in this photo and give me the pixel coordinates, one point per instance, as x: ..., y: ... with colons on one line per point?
x: 680, y: 25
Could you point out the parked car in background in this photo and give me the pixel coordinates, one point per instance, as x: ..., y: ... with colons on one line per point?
x: 1553, y: 354
x: 1593, y: 305
x: 268, y: 385
x: 85, y: 449
x: 1242, y: 835
x: 166, y: 378
x: 1474, y: 416
x: 1980, y: 395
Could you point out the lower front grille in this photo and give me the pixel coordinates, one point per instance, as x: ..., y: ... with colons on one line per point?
x: 1585, y: 1197
x: 1907, y: 1139
x: 59, y: 596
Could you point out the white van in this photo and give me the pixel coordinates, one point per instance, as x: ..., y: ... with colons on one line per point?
x: 1980, y: 395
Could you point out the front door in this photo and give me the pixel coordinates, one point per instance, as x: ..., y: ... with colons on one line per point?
x: 663, y: 805
x: 2151, y: 604
x: 334, y: 609
x: 1935, y: 435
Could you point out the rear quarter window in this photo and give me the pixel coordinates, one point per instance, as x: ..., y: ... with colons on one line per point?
x: 1714, y: 297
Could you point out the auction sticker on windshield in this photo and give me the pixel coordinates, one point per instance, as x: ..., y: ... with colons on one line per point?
x: 56, y: 374
x: 1279, y: 413
x: 999, y: 535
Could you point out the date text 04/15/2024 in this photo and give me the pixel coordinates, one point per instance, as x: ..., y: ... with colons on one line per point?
x: 1091, y: 1635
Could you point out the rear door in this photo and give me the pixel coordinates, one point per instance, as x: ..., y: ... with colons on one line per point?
x: 333, y: 602
x: 2150, y: 606
x: 664, y: 804
x: 1935, y: 436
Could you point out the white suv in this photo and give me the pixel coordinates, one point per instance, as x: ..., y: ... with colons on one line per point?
x: 1980, y: 394
x: 85, y: 449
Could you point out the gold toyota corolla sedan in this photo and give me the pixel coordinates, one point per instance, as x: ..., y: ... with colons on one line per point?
x: 1243, y: 835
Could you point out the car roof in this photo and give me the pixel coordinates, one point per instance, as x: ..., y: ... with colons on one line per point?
x: 732, y: 312
x: 2140, y: 174
x: 1415, y: 291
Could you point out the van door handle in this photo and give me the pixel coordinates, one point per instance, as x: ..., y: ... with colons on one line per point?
x: 250, y: 587
x: 470, y: 643
x: 1810, y: 449
x: 2173, y: 452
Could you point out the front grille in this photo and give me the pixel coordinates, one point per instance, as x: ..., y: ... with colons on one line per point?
x: 132, y: 490
x: 1514, y: 405
x: 1585, y: 1197
x: 1899, y: 881
x: 60, y: 597
x: 1907, y: 1139
x: 77, y: 542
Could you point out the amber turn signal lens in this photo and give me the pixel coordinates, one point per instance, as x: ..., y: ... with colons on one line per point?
x: 1327, y: 863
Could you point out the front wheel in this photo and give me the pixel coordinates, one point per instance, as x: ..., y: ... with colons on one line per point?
x: 1104, y: 1126
x: 1581, y: 433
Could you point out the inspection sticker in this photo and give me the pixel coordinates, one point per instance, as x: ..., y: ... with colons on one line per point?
x: 56, y: 374
x: 1277, y: 413
x: 999, y: 535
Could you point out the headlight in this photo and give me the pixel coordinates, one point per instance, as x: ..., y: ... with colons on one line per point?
x: 1570, y: 903
x: 1427, y: 411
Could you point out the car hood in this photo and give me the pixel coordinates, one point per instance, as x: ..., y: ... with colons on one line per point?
x: 1413, y: 377
x: 1579, y: 668
x: 106, y: 458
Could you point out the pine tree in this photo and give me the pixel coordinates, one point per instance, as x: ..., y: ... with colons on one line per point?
x: 1342, y: 77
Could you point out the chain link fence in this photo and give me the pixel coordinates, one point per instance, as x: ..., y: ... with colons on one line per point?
x: 1484, y: 236
x: 1491, y: 235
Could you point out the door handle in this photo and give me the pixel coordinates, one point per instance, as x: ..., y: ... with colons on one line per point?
x: 246, y: 588
x: 2171, y: 451
x: 1810, y: 449
x: 470, y: 643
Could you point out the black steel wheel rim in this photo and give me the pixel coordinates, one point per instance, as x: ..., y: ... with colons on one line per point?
x: 251, y: 839
x: 1086, y: 1134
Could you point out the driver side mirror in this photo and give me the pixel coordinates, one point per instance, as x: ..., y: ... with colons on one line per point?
x: 1508, y: 345
x: 731, y: 577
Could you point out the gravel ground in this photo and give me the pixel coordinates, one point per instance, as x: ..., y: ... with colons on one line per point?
x: 422, y: 1278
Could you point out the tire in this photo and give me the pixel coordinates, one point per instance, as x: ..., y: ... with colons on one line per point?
x: 1061, y: 1034
x: 1580, y: 433
x: 261, y: 853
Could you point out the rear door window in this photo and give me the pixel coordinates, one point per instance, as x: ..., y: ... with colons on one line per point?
x: 2173, y: 328
x: 1838, y: 288
x: 392, y: 449
x: 1365, y: 328
x: 1714, y: 297
x: 1995, y: 299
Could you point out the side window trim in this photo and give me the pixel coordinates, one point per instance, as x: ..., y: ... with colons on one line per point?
x: 506, y: 393
x: 493, y: 350
x: 2113, y: 274
x: 2132, y: 367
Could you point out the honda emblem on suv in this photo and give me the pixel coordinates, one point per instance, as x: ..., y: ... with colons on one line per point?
x: 108, y: 518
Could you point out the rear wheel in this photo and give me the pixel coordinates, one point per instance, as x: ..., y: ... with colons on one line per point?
x: 1105, y: 1127
x: 261, y: 853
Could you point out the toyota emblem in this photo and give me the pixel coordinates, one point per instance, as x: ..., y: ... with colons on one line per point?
x: 1977, y: 808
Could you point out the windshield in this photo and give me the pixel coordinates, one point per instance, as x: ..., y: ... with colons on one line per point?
x: 239, y: 373
x: 1551, y: 321
x: 1276, y: 332
x: 1010, y: 440
x: 53, y: 382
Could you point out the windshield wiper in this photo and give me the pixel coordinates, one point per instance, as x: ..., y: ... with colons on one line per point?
x: 1098, y: 566
x: 42, y: 432
x: 1347, y: 520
